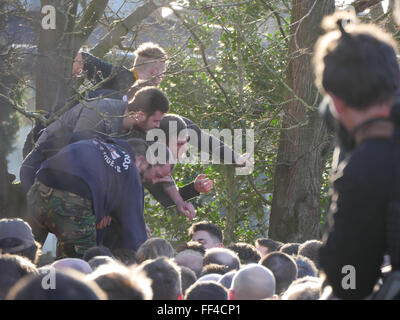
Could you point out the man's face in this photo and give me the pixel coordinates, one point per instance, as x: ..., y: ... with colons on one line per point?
x: 157, y: 73
x: 155, y: 174
x: 150, y: 122
x: 207, y: 240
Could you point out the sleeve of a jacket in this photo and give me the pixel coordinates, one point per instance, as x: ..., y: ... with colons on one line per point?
x: 356, y: 237
x: 158, y: 192
x: 89, y: 119
x: 214, y: 146
x: 188, y: 192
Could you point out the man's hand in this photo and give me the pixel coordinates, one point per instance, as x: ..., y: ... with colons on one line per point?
x: 187, y: 209
x: 202, y: 184
x: 246, y: 163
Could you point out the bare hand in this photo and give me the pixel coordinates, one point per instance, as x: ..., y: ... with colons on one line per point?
x: 187, y: 209
x: 246, y: 162
x: 202, y: 184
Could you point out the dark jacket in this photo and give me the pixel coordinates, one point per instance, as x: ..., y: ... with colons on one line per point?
x: 106, y: 173
x: 363, y: 187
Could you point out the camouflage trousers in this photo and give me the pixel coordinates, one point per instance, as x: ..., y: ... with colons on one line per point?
x: 69, y: 216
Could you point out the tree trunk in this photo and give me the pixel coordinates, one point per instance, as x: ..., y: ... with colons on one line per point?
x: 56, y: 53
x: 303, y: 147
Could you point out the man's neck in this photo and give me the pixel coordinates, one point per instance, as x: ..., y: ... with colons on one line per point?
x: 375, y: 112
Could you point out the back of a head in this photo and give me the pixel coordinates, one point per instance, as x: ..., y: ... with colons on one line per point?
x: 310, y: 249
x: 206, y: 290
x: 72, y: 263
x: 246, y: 252
x: 149, y: 100
x: 96, y: 251
x: 222, y: 256
x: 119, y: 283
x: 191, y: 259
x: 165, y: 277
x: 226, y: 279
x: 283, y: 267
x: 12, y: 269
x: 305, y: 267
x: 98, y: 261
x: 307, y: 289
x: 16, y: 237
x: 148, y: 53
x: 126, y: 256
x: 356, y: 62
x: 192, y: 245
x: 253, y: 282
x: 139, y: 84
x: 153, y: 248
x: 210, y: 277
x: 271, y: 245
x: 172, y: 125
x: 188, y: 277
x: 290, y: 248
x: 57, y: 285
x: 215, y: 268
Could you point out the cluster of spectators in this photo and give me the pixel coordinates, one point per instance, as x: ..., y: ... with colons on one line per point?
x: 201, y: 269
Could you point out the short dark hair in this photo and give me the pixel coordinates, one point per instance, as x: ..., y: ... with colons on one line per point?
x: 310, y: 249
x: 139, y: 84
x: 96, y: 251
x: 272, y: 245
x: 206, y: 290
x: 214, y: 268
x: 290, y: 248
x: 357, y: 64
x: 149, y: 100
x: 283, y: 267
x: 188, y: 277
x: 193, y: 245
x: 153, y: 248
x: 169, y: 130
x: 222, y: 256
x: 210, y: 227
x: 166, y: 281
x: 305, y: 267
x: 12, y: 269
x: 247, y: 253
x: 126, y: 256
x: 119, y: 284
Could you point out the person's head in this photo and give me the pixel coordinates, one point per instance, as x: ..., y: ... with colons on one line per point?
x: 206, y: 290
x: 193, y: 245
x: 176, y: 135
x: 188, y: 277
x: 246, y: 252
x: 226, y: 279
x: 252, y: 282
x: 119, y: 283
x: 290, y: 248
x: 59, y: 285
x: 150, y: 169
x: 72, y: 263
x: 210, y: 277
x: 305, y: 267
x: 223, y: 257
x: 308, y: 288
x: 283, y: 267
x: 191, y: 259
x: 356, y: 65
x: 98, y: 261
x: 310, y: 249
x: 139, y: 84
x: 165, y: 277
x: 153, y: 248
x: 96, y: 251
x: 16, y: 238
x: 126, y: 256
x: 150, y: 62
x: 145, y: 110
x: 12, y: 269
x: 265, y: 246
x: 207, y: 233
x: 214, y: 268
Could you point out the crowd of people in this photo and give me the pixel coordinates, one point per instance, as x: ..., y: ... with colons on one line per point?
x: 86, y: 172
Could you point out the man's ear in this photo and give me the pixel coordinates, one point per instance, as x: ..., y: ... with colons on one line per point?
x: 220, y: 245
x: 339, y: 105
x: 180, y: 296
x: 141, y: 116
x: 231, y: 294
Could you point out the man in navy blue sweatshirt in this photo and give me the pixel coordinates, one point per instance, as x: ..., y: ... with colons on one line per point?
x: 86, y: 184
